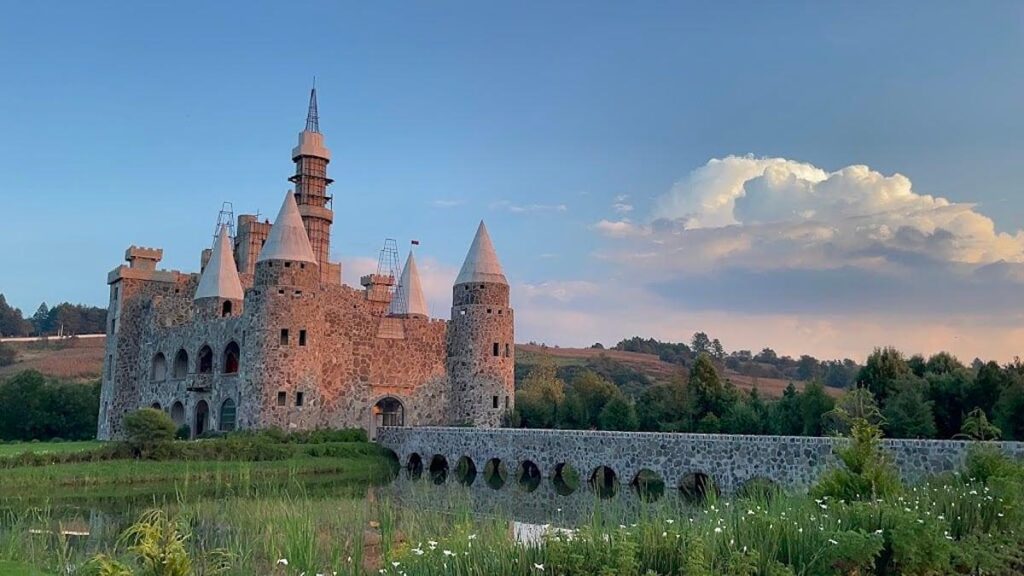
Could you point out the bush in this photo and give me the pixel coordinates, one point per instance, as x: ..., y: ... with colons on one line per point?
x: 33, y: 407
x: 148, y: 426
x: 183, y: 433
x: 7, y: 355
x: 867, y: 472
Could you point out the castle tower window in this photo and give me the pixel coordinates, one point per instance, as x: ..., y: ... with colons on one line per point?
x: 298, y: 398
x: 205, y: 360
x: 226, y: 309
x: 287, y: 264
x: 494, y: 401
x: 159, y: 371
x: 282, y: 398
x: 302, y: 337
x: 228, y: 415
x: 508, y: 350
x: 110, y: 366
x: 506, y: 402
x: 284, y: 336
x: 496, y: 349
x: 231, y: 355
x: 180, y: 365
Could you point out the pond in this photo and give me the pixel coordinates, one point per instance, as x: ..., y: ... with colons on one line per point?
x: 314, y: 520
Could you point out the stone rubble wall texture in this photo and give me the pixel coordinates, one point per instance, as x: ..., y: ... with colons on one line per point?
x: 481, y: 320
x: 354, y: 355
x: 729, y: 461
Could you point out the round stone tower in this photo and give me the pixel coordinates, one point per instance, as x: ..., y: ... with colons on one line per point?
x: 283, y: 331
x: 481, y: 339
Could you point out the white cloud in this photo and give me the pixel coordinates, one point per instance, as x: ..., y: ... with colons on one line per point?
x: 561, y: 291
x: 445, y: 203
x: 621, y: 206
x: 525, y: 208
x: 619, y: 228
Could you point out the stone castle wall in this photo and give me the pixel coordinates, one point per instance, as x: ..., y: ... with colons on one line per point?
x: 729, y: 461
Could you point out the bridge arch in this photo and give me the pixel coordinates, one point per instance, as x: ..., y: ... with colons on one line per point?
x: 604, y: 482
x: 465, y: 471
x: 439, y: 469
x: 528, y: 476
x: 565, y: 479
x: 495, y: 473
x: 415, y: 465
x: 648, y: 485
x: 698, y: 486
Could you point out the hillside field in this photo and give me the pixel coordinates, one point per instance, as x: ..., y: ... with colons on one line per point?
x: 648, y: 364
x: 67, y: 359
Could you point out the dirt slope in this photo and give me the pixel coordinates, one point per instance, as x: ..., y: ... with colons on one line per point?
x: 69, y: 359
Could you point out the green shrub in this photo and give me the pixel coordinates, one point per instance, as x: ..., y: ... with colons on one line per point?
x: 867, y: 472
x: 148, y: 426
x: 984, y: 462
x: 184, y: 432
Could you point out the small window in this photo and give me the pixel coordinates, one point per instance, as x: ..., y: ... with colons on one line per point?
x: 298, y: 398
x: 282, y: 398
x: 494, y: 401
x: 298, y: 292
x: 110, y: 366
x: 113, y: 325
x: 226, y: 309
x: 284, y: 336
x: 506, y: 402
x: 302, y: 266
x: 488, y: 310
x: 462, y: 312
x: 287, y: 264
x: 508, y: 351
x: 302, y: 337
x: 280, y: 290
x: 495, y: 348
x: 500, y: 311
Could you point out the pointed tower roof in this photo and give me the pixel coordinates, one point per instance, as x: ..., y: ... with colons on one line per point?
x: 220, y: 277
x: 481, y: 263
x: 288, y: 239
x: 409, y: 300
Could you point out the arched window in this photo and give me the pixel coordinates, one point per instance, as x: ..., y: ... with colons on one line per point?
x: 226, y: 309
x: 227, y: 415
x: 159, y: 371
x: 180, y: 364
x: 231, y: 354
x: 205, y: 360
x: 156, y: 406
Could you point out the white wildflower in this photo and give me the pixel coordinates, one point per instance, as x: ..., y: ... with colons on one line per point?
x: 833, y: 542
x: 539, y: 567
x: 282, y: 562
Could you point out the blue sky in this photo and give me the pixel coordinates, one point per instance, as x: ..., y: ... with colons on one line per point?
x: 130, y: 123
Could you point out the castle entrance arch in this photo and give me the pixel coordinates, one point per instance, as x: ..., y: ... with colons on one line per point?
x: 388, y: 411
x: 202, y: 419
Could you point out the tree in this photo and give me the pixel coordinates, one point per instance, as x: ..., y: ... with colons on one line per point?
x: 700, y: 344
x: 34, y: 408
x: 984, y: 391
x: 786, y: 415
x: 943, y: 363
x: 884, y: 368
x: 11, y: 321
x: 540, y: 400
x: 40, y: 320
x: 1010, y: 408
x: 767, y: 356
x: 705, y: 390
x: 854, y: 405
x: 814, y: 404
x: 947, y: 394
x: 618, y: 414
x: 909, y: 415
x: 589, y: 393
x: 717, y: 350
x: 662, y: 407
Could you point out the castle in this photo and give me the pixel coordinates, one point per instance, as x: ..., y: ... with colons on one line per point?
x: 267, y: 335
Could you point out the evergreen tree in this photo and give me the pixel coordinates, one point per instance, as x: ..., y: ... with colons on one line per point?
x: 618, y: 414
x: 909, y: 415
x: 41, y: 320
x: 814, y: 404
x: 883, y: 370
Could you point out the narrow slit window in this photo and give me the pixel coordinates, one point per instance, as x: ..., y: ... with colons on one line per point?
x: 494, y: 401
x: 282, y: 398
x: 496, y: 349
x: 506, y: 402
x: 302, y: 337
x: 298, y: 398
x: 284, y: 336
x: 508, y: 350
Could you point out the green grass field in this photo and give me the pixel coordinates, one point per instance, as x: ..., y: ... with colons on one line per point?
x: 15, y: 448
x: 16, y: 569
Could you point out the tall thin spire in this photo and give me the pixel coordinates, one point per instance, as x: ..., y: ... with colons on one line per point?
x: 312, y: 117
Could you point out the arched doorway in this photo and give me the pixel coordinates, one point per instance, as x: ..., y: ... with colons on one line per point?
x: 388, y: 411
x: 202, y: 419
x: 178, y: 413
x: 228, y: 412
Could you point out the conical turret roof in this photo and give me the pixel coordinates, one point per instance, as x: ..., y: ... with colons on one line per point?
x: 220, y: 277
x: 481, y: 263
x: 288, y: 239
x: 409, y: 300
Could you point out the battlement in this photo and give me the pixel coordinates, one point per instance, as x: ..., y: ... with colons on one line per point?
x: 142, y: 257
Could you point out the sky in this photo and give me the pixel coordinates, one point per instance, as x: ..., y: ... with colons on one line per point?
x: 820, y: 178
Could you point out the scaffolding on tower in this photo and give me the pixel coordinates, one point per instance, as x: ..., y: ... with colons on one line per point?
x: 387, y: 265
x: 226, y: 217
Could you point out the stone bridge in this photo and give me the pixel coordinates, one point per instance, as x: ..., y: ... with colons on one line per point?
x: 687, y: 461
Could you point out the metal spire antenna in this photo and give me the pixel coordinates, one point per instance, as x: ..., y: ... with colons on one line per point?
x: 226, y: 217
x: 312, y: 117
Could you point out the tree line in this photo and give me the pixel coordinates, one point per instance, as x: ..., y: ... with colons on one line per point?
x: 64, y: 318
x: 34, y: 407
x: 914, y: 397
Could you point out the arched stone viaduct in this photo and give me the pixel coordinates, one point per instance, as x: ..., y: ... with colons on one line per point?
x: 727, y: 460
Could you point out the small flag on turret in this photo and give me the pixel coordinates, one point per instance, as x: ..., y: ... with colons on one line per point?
x: 415, y: 242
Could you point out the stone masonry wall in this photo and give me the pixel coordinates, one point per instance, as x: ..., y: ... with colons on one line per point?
x: 730, y: 461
